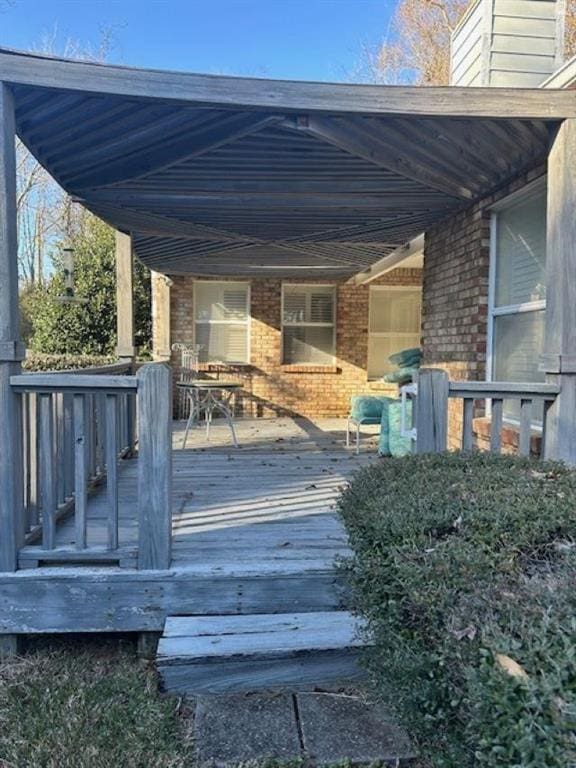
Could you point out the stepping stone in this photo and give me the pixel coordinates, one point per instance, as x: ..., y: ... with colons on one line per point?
x: 337, y: 727
x: 235, y: 728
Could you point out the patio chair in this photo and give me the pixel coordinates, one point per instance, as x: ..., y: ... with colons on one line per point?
x: 365, y: 409
x: 187, y: 371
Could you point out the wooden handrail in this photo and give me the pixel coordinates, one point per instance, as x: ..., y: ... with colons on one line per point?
x: 505, y: 389
x: 59, y: 382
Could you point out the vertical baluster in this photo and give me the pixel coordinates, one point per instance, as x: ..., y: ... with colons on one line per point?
x: 525, y: 426
x: 100, y: 438
x: 47, y: 474
x: 68, y: 445
x: 59, y: 443
x: 33, y: 469
x: 88, y: 435
x: 26, y: 457
x: 81, y: 469
x: 112, y: 469
x: 131, y: 426
x: 467, y: 424
x: 123, y: 422
x: 547, y: 405
x: 496, y: 429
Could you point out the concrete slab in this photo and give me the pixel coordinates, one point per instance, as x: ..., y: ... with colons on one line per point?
x: 234, y: 728
x: 336, y: 727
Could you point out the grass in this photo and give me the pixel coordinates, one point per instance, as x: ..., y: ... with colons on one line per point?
x: 88, y: 704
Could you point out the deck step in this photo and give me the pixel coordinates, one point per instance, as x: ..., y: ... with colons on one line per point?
x: 217, y: 654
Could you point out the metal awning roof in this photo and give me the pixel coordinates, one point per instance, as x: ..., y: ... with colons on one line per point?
x: 234, y: 176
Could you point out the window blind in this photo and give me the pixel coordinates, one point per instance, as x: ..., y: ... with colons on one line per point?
x: 308, y: 324
x: 394, y: 325
x: 221, y: 311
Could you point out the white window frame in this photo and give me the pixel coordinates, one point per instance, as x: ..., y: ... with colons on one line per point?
x: 310, y: 325
x: 510, y: 309
x: 386, y: 334
x: 247, y: 322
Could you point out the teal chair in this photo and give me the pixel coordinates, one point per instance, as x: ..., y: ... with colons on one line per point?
x: 365, y: 409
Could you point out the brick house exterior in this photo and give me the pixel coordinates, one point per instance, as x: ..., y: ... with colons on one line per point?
x: 455, y: 301
x: 271, y: 388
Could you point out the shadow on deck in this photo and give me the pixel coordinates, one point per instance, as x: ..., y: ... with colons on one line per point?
x: 266, y: 506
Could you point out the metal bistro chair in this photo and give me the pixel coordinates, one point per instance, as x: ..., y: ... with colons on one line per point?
x: 188, y: 371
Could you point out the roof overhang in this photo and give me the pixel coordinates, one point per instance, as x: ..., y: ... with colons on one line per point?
x: 239, y: 176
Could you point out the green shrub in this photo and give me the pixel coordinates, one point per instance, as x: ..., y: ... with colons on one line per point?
x: 464, y: 567
x: 36, y: 361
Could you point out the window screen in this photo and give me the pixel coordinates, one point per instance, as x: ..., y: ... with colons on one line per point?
x: 394, y: 325
x: 308, y: 324
x: 222, y: 314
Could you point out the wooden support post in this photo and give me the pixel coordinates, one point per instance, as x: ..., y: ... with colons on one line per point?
x: 559, y: 362
x: 161, y: 341
x: 147, y: 644
x: 11, y: 348
x: 124, y: 297
x: 154, y: 466
x: 431, y: 417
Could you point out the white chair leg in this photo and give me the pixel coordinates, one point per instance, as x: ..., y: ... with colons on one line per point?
x: 357, y: 438
x: 188, y: 424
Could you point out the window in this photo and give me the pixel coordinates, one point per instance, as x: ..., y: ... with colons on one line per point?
x: 221, y: 321
x: 308, y: 329
x: 518, y: 290
x: 394, y: 324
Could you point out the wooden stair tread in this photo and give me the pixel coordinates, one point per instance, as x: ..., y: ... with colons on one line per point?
x: 196, y: 639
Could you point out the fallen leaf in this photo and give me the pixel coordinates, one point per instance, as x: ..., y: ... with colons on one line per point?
x: 511, y: 667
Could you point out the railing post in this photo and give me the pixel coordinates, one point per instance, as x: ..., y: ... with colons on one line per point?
x: 11, y: 349
x: 431, y: 410
x: 154, y: 396
x: 559, y: 361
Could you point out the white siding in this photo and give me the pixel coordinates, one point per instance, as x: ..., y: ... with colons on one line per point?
x: 514, y: 43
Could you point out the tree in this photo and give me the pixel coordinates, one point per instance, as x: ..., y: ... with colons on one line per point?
x: 89, y: 328
x: 40, y: 200
x: 417, y: 50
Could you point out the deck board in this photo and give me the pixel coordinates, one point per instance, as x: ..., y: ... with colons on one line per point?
x: 266, y: 506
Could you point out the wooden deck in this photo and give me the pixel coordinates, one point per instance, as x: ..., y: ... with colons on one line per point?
x: 254, y: 532
x: 265, y: 506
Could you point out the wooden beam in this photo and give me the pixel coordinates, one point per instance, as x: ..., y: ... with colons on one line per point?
x: 125, y: 348
x: 144, y: 223
x: 390, y: 262
x: 559, y: 362
x: 381, y: 150
x: 281, y: 95
x: 11, y: 348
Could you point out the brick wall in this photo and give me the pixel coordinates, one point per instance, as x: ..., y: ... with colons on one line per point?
x: 269, y: 387
x: 455, y: 296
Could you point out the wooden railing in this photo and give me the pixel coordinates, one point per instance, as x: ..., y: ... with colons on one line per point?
x: 77, y: 426
x: 433, y: 391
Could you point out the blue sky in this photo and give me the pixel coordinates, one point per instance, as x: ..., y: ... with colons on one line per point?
x: 300, y: 39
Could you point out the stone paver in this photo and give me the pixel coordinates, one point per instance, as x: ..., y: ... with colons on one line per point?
x: 234, y: 728
x: 329, y: 728
x: 337, y: 727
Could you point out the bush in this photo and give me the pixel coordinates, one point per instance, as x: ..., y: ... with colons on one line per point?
x: 36, y: 361
x: 464, y: 569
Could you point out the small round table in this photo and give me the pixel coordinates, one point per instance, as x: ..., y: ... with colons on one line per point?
x: 209, y: 396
